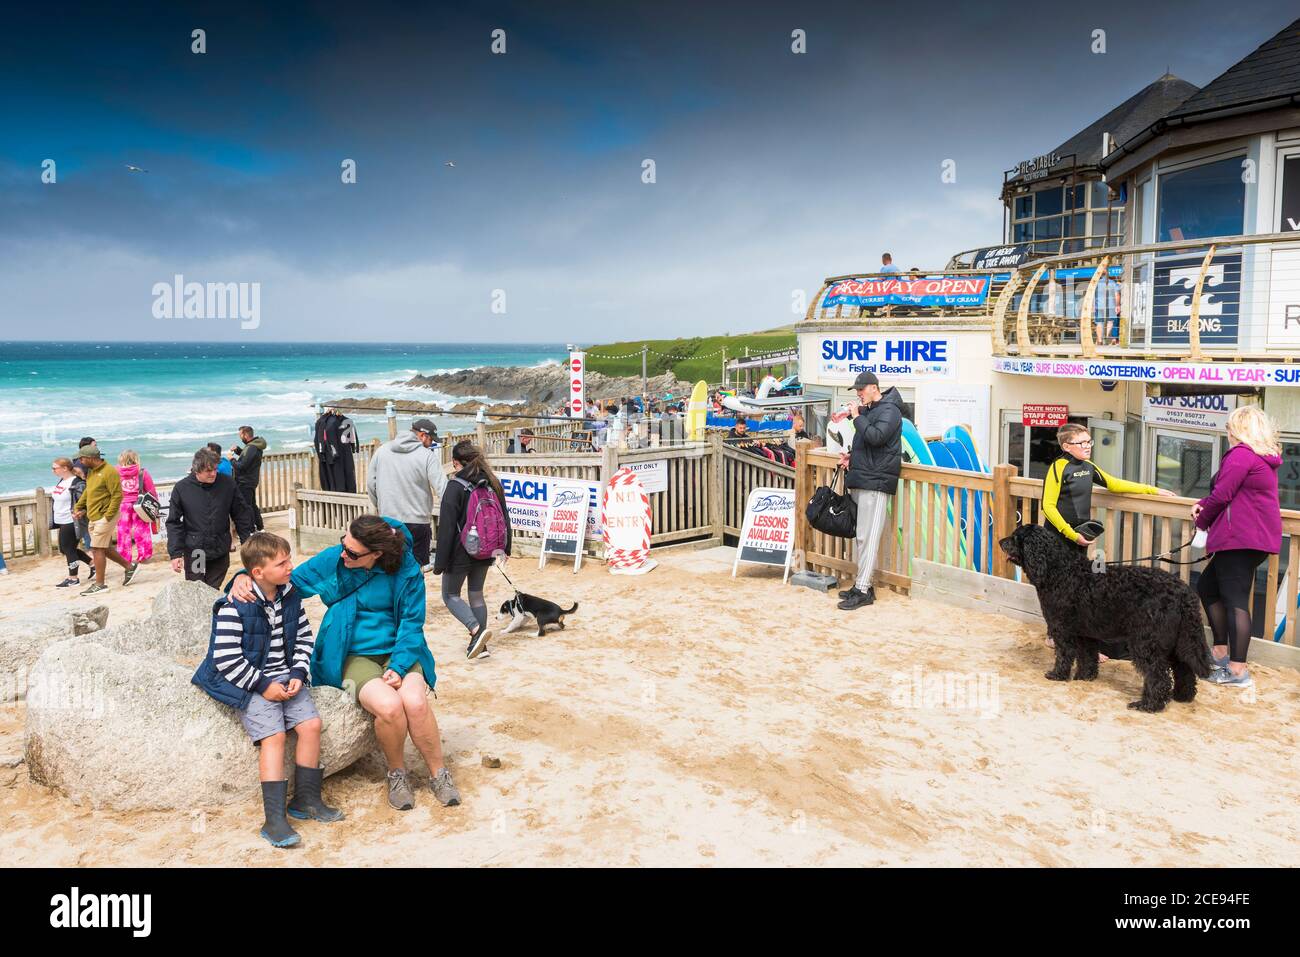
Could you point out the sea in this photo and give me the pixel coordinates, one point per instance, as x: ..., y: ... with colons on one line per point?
x: 165, y: 400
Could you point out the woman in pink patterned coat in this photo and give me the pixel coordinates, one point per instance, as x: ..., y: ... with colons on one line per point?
x: 131, y: 528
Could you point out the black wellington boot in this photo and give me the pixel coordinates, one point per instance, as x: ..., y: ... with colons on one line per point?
x: 307, y: 802
x: 276, y: 828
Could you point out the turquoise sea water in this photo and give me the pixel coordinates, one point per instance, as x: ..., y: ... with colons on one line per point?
x: 164, y: 400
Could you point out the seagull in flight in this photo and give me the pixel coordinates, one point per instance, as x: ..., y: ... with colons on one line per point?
x: 449, y: 163
x: 135, y: 169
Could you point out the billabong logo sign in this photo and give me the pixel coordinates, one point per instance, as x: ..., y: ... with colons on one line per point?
x: 73, y: 910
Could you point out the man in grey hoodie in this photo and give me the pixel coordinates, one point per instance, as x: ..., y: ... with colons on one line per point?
x: 405, y: 477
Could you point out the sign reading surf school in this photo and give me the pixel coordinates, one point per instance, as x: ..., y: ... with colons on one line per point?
x: 1206, y: 373
x: 768, y: 529
x: 528, y: 499
x: 841, y: 358
x: 949, y: 291
x: 1198, y: 411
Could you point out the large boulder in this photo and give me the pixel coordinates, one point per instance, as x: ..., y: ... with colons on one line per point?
x: 24, y: 636
x: 113, y: 720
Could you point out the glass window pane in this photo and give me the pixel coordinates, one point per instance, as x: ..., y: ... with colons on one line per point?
x: 1183, y: 465
x: 1079, y: 227
x: 1047, y: 202
x: 1022, y: 232
x: 1047, y: 228
x: 1100, y: 195
x: 1207, y: 200
x: 1024, y: 207
x: 1288, y: 476
x: 1074, y: 196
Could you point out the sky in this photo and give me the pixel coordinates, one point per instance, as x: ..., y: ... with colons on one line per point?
x: 772, y: 169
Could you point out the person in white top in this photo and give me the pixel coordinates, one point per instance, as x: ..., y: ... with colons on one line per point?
x: 67, y: 489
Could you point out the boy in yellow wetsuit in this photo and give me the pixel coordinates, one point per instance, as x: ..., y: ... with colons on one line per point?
x: 1067, y: 489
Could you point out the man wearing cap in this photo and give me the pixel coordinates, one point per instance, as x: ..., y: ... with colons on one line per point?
x: 99, y: 505
x: 406, y: 476
x: 874, y: 461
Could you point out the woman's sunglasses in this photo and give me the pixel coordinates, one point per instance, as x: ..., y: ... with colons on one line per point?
x: 355, y: 556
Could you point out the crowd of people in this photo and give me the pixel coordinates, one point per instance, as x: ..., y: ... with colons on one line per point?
x: 101, y: 513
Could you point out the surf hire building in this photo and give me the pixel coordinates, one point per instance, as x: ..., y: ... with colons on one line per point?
x: 1165, y: 291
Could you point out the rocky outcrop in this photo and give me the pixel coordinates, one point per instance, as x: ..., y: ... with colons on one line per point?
x: 377, y: 405
x: 355, y: 385
x: 23, y: 637
x: 544, y: 385
x: 113, y: 720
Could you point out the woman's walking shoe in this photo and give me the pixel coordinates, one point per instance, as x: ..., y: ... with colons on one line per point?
x: 857, y: 601
x: 130, y: 573
x: 1224, y: 676
x: 68, y: 582
x: 478, y: 641
x: 307, y: 802
x: 276, y: 828
x: 400, y: 795
x: 443, y: 789
x: 95, y: 588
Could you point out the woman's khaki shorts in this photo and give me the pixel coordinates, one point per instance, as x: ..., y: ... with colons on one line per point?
x: 359, y: 669
x: 101, y: 533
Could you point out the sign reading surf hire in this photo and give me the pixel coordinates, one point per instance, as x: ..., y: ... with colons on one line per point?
x: 768, y: 529
x: 1209, y: 373
x: 949, y: 291
x: 1042, y: 416
x: 566, y: 524
x: 1199, y: 411
x: 528, y: 499
x: 841, y: 358
x: 577, y: 376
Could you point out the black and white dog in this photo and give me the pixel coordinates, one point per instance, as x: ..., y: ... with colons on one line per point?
x: 545, y: 612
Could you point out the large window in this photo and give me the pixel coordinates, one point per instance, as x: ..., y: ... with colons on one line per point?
x: 1057, y: 218
x: 1208, y: 200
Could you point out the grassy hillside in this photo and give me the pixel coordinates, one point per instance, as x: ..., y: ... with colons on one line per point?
x: 689, y: 359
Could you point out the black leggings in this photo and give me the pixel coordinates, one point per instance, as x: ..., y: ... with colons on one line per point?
x: 1225, y: 588
x: 70, y: 547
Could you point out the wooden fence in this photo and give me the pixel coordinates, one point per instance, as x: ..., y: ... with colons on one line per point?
x: 925, y: 522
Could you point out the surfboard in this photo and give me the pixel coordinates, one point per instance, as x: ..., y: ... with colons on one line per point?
x: 915, y: 450
x: 983, y: 518
x: 959, y: 433
x: 697, y: 411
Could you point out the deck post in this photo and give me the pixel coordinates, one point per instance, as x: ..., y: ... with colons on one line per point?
x: 717, y: 492
x: 42, y: 522
x: 296, y: 507
x: 1004, y: 516
x: 802, y: 493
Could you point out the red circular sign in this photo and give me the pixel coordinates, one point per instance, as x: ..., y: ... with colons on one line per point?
x: 577, y: 365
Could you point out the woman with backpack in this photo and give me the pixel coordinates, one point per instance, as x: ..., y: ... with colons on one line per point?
x: 134, y: 532
x: 473, y: 529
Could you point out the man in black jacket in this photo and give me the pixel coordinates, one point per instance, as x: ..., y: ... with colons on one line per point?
x: 874, y: 462
x: 247, y: 466
x: 203, y: 504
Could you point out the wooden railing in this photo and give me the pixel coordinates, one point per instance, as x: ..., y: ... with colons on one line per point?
x: 1105, y: 302
x: 955, y: 518
x: 742, y: 472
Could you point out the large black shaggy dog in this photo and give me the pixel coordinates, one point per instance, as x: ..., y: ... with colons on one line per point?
x: 1158, y: 615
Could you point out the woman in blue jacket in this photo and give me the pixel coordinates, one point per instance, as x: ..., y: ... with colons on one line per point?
x: 371, y: 643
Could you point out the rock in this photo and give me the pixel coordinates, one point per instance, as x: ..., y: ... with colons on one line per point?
x: 355, y: 385
x: 24, y: 636
x: 180, y: 623
x: 490, y: 762
x: 10, y: 760
x: 112, y: 725
x: 547, y: 386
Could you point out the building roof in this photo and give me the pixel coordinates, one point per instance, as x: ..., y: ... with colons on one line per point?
x: 1128, y: 119
x: 1272, y: 71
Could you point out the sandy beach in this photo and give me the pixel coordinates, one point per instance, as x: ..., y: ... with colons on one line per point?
x: 687, y: 719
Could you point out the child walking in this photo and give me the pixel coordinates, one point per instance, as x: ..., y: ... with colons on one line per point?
x: 134, y: 534
x: 258, y: 662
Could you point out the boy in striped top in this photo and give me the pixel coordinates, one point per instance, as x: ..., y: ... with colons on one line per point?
x: 259, y: 662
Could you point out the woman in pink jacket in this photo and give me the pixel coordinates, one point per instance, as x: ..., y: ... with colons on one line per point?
x: 1244, y: 520
x: 132, y: 530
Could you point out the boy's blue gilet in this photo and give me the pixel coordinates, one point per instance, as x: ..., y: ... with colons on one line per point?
x: 256, y: 645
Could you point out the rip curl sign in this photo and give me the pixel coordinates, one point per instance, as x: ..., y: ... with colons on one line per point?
x: 626, y: 518
x: 767, y: 533
x: 566, y: 524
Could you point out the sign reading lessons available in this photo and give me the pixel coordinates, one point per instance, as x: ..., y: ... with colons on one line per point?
x: 768, y: 529
x: 841, y: 358
x: 566, y: 524
x: 528, y: 499
x: 948, y: 291
x: 1041, y: 416
x: 1197, y: 411
x: 1171, y: 300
